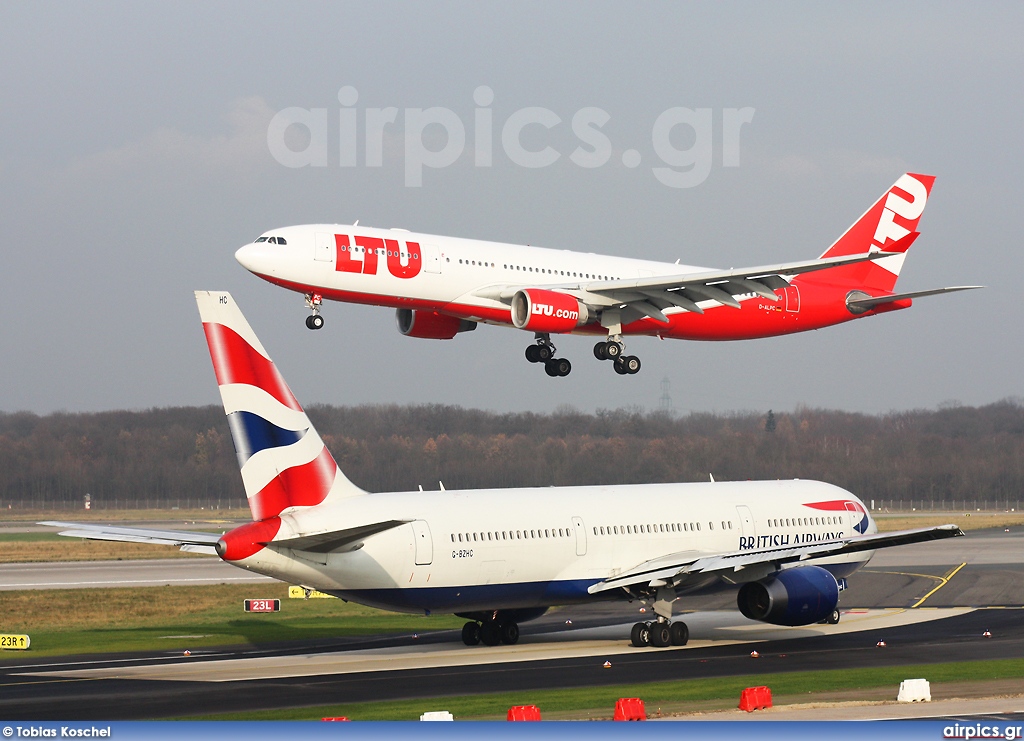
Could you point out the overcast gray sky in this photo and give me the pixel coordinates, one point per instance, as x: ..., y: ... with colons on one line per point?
x: 134, y: 162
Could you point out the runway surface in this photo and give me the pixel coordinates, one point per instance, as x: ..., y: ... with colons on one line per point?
x: 947, y: 626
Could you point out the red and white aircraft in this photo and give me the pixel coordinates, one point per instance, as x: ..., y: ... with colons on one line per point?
x: 499, y: 557
x: 443, y: 285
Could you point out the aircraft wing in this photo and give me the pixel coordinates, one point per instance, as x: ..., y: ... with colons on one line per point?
x: 679, y: 568
x: 187, y: 541
x: 650, y: 296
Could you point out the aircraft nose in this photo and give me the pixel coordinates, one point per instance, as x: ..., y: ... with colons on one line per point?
x: 246, y: 256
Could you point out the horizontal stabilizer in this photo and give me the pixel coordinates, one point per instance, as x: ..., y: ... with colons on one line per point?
x: 870, y: 302
x: 336, y: 539
x: 190, y: 541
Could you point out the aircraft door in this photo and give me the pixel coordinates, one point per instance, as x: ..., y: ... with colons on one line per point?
x: 431, y: 255
x: 581, y: 536
x: 792, y: 298
x: 324, y: 247
x: 424, y: 543
x: 747, y: 528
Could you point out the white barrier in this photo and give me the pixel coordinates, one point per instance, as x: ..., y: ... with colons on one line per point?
x: 437, y: 715
x: 914, y: 690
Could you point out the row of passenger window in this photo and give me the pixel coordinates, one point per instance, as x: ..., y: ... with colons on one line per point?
x: 507, y: 535
x: 672, y: 527
x: 804, y: 521
x: 525, y: 269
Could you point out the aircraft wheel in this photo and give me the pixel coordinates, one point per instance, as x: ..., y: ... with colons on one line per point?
x: 533, y: 353
x: 833, y: 619
x: 601, y: 351
x: 551, y: 368
x: 509, y: 633
x: 661, y: 636
x: 620, y: 368
x: 490, y: 634
x: 314, y: 321
x: 613, y: 349
x: 471, y: 633
x: 563, y: 366
x: 631, y: 363
x: 544, y: 353
x: 640, y: 636
x: 680, y: 633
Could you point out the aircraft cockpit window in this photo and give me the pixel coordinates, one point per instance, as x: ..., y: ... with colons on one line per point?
x: 262, y: 239
x: 281, y: 240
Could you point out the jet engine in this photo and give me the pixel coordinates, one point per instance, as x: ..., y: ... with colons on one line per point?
x: 797, y: 596
x: 538, y: 310
x: 430, y: 325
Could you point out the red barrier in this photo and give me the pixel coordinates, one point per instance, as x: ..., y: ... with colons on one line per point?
x: 630, y: 708
x: 755, y: 698
x: 524, y: 712
x: 340, y: 717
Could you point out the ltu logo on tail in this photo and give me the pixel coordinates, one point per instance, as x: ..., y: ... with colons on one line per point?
x: 895, y: 205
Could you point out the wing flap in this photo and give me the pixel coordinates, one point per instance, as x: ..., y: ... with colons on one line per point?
x: 679, y: 567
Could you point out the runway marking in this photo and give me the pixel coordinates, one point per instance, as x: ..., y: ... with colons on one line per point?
x: 944, y: 581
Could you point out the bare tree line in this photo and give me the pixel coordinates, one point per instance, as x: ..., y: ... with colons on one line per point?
x: 185, y: 453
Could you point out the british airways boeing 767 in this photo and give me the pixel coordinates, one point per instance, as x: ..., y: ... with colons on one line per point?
x: 502, y: 556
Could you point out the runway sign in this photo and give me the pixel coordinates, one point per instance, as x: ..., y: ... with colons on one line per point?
x: 14, y: 642
x: 262, y: 605
x: 303, y: 593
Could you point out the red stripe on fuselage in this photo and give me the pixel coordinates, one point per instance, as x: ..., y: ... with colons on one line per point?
x: 235, y: 361
x: 299, y: 486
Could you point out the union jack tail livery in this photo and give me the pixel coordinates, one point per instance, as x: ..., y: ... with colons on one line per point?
x: 284, y: 462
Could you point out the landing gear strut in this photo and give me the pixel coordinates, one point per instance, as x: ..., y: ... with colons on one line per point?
x: 612, y: 349
x: 490, y: 632
x: 544, y: 352
x: 314, y: 320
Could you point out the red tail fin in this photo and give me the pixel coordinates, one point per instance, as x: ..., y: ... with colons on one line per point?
x: 885, y: 226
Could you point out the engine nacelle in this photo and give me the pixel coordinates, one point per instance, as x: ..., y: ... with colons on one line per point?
x: 538, y: 310
x: 430, y: 325
x: 797, y: 596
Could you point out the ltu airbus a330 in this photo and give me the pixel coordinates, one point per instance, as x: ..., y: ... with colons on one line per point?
x: 441, y: 286
x: 499, y: 557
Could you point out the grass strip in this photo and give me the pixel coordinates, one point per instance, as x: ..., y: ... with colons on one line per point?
x: 597, y: 703
x: 82, y: 621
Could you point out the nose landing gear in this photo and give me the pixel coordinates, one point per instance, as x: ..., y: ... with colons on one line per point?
x: 314, y: 320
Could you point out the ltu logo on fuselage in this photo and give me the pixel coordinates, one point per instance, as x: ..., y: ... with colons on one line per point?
x: 549, y: 310
x: 362, y: 257
x: 895, y: 206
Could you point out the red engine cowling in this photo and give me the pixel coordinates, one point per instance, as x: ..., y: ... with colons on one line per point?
x: 538, y: 310
x: 430, y: 325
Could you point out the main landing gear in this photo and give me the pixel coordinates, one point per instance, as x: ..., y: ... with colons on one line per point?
x: 612, y: 350
x: 544, y: 352
x: 660, y: 634
x: 490, y: 632
x: 314, y: 320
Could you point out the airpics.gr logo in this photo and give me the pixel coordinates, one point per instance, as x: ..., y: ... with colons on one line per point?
x: 530, y: 137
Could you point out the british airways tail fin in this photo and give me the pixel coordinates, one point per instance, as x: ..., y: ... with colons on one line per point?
x: 888, y: 226
x: 284, y: 462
